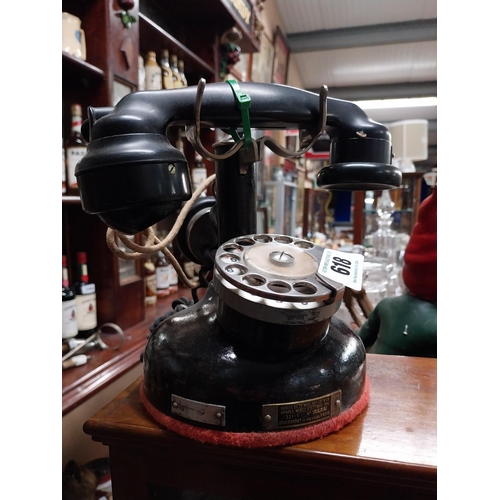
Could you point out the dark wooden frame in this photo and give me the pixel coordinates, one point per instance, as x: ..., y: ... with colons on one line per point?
x: 262, y: 60
x: 281, y: 58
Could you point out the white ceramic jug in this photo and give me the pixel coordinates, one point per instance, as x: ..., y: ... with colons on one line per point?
x: 73, y: 37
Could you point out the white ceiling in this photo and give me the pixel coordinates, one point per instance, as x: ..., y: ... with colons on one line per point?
x: 408, y: 62
x: 313, y: 15
x: 367, y: 49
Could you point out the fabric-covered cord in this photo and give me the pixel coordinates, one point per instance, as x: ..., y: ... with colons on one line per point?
x: 159, y: 245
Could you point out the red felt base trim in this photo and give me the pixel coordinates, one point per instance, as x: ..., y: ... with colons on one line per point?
x: 260, y: 439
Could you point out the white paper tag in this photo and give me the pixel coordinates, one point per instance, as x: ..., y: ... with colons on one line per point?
x: 87, y: 288
x: 343, y: 267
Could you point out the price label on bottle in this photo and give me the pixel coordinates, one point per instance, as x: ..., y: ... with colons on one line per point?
x: 87, y: 288
x: 345, y: 268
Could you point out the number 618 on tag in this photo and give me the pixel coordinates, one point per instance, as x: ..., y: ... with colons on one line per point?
x: 345, y: 268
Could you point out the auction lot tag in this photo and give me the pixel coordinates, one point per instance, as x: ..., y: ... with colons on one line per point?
x: 343, y: 267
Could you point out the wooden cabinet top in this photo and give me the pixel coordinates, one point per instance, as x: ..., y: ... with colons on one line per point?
x: 391, y: 443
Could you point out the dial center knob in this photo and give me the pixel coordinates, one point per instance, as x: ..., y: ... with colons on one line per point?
x: 282, y: 258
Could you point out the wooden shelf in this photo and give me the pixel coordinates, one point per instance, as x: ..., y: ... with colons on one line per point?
x: 249, y: 42
x: 79, y: 69
x: 155, y: 38
x: 193, y: 33
x: 70, y: 200
x: 103, y: 367
x: 189, y: 21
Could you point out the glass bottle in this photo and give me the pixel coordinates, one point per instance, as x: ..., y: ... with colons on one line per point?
x: 153, y: 72
x: 63, y: 168
x: 86, y: 300
x: 149, y: 282
x: 166, y: 70
x: 384, y: 244
x: 162, y: 275
x: 69, y: 323
x: 176, y: 76
x: 141, y: 74
x: 76, y: 147
x: 181, y: 73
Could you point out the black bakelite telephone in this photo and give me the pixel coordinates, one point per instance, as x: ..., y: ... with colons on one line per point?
x: 262, y: 351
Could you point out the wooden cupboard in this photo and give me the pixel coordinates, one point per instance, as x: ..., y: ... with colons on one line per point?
x: 110, y: 71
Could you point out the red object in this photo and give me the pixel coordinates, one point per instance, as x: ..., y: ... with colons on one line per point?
x: 260, y: 439
x: 420, y: 259
x: 81, y: 258
x: 126, y: 4
x: 315, y: 155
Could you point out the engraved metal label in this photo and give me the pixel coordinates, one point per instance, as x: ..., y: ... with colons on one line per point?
x: 198, y: 411
x: 301, y: 413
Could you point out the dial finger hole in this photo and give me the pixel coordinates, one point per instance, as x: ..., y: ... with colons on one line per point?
x: 305, y: 288
x: 233, y: 248
x: 246, y: 242
x: 254, y: 280
x: 263, y: 238
x: 306, y: 245
x: 236, y: 270
x: 229, y: 258
x: 279, y: 287
x: 283, y: 239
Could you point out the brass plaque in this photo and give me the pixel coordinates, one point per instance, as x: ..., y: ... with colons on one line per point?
x: 301, y: 413
x: 198, y: 411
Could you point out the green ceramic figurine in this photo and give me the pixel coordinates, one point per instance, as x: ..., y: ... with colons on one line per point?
x: 407, y: 325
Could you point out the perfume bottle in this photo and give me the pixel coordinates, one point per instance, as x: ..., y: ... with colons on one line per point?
x: 384, y: 238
